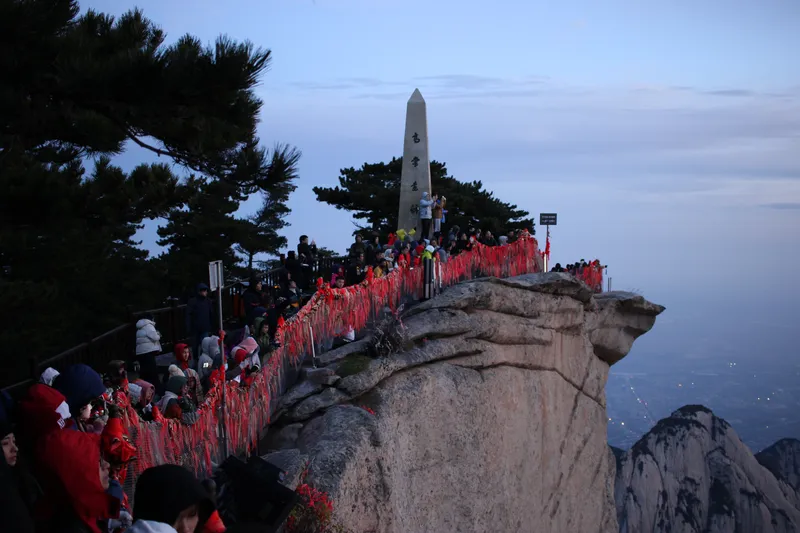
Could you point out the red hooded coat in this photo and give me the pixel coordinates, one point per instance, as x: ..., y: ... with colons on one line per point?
x: 69, y: 465
x: 39, y: 413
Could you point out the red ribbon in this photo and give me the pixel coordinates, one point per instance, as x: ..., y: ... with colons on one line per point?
x: 329, y: 312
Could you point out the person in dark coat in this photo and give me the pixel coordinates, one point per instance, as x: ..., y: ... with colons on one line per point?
x: 358, y: 247
x: 357, y: 270
x: 295, y: 269
x: 170, y: 496
x: 199, y: 317
x: 253, y: 298
x: 307, y: 255
x: 16, y: 496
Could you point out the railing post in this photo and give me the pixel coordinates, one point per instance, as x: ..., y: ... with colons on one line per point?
x: 427, y: 279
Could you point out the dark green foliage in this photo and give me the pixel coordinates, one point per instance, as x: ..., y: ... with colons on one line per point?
x: 276, y: 181
x: 372, y: 194
x: 82, y: 85
x: 74, y: 91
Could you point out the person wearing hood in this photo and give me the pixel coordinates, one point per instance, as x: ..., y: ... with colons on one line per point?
x: 427, y: 253
x: 142, y: 393
x: 262, y: 335
x: 148, y: 339
x: 81, y: 386
x: 182, y: 356
x: 148, y: 346
x: 176, y: 403
x: 18, y: 489
x: 41, y: 411
x: 210, y: 357
x: 425, y: 214
x: 75, y: 478
x: 170, y: 499
x: 245, y: 361
x: 48, y: 376
x: 199, y: 317
x: 17, y: 517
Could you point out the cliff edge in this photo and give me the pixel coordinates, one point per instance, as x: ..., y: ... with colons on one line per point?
x: 490, y: 417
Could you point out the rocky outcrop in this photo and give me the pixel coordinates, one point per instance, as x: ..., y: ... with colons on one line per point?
x: 492, y: 418
x: 783, y: 460
x: 692, y: 474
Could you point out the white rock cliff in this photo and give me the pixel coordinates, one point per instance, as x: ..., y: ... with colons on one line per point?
x: 491, y: 419
x: 692, y: 474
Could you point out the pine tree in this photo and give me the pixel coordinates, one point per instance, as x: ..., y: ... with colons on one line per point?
x: 275, y: 183
x: 76, y: 88
x: 372, y: 194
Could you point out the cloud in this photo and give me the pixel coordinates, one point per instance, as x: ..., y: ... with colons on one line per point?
x: 732, y: 92
x: 445, y: 86
x: 343, y: 84
x: 649, y: 142
x: 793, y: 206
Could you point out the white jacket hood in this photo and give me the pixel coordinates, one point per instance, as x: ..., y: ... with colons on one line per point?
x: 147, y: 526
x: 144, y: 322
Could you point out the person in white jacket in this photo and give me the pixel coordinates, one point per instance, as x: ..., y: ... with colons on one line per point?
x: 425, y: 214
x: 210, y: 357
x: 148, y: 339
x: 148, y: 346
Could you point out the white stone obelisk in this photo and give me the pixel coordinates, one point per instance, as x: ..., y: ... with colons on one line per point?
x: 416, y: 174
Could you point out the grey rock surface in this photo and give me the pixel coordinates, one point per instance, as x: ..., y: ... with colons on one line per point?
x: 692, y: 474
x: 783, y: 460
x: 492, y: 419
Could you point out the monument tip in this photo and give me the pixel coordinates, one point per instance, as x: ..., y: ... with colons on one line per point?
x: 416, y: 96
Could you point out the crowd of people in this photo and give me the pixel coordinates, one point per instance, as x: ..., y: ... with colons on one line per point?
x: 66, y: 452
x: 66, y: 448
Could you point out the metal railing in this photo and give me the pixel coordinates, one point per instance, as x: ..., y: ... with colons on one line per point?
x: 120, y: 342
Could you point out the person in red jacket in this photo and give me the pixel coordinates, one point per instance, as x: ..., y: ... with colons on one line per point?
x: 75, y: 478
x: 41, y: 410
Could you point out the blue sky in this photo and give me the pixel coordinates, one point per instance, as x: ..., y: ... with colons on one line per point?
x: 666, y: 134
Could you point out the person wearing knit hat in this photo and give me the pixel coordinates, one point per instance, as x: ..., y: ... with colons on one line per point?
x: 170, y: 499
x: 81, y: 385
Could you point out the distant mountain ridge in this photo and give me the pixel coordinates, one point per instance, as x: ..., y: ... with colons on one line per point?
x: 692, y: 473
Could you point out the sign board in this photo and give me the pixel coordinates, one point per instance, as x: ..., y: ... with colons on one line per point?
x: 215, y: 278
x: 548, y: 219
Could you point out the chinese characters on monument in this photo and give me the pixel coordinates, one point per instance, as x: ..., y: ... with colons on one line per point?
x: 415, y: 137
x: 415, y: 162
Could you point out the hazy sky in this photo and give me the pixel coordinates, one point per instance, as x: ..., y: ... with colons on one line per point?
x: 665, y: 133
